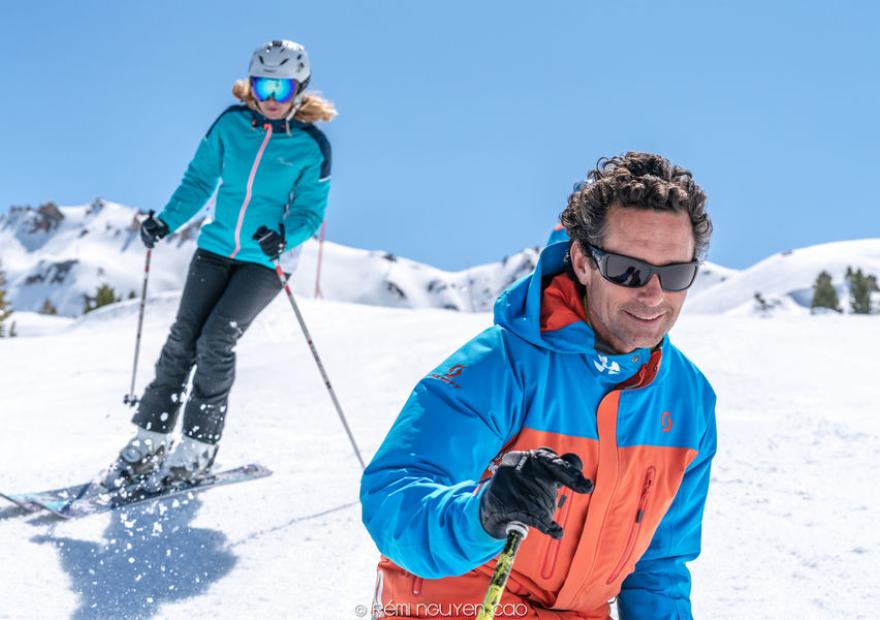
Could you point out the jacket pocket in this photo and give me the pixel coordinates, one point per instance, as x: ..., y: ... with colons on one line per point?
x: 636, y: 527
x: 564, y: 507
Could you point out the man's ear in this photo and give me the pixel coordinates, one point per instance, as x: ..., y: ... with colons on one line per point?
x: 580, y: 262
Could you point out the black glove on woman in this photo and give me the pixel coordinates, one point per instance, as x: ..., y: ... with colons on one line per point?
x: 152, y: 230
x: 272, y: 243
x: 524, y: 488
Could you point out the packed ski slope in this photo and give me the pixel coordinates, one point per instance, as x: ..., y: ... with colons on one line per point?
x: 789, y: 531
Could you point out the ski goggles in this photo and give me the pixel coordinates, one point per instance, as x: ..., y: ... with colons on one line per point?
x: 281, y: 90
x: 634, y: 273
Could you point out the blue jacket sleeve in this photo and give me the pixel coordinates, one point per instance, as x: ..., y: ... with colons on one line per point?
x: 199, y: 181
x: 306, y: 212
x: 420, y: 494
x: 660, y: 586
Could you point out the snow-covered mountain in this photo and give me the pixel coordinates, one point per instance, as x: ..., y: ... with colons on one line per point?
x: 785, y: 280
x: 61, y: 254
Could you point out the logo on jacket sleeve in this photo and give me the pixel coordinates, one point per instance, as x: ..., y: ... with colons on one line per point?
x: 454, y: 371
x: 613, y: 368
x: 666, y: 421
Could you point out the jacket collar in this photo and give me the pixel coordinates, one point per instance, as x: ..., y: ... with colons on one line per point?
x: 278, y: 126
x: 545, y: 309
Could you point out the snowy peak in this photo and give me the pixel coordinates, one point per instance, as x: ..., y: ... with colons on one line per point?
x: 785, y: 280
x: 28, y: 221
x: 710, y: 275
x: 57, y: 256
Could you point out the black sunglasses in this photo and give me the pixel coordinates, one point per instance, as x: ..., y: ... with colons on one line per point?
x: 634, y: 273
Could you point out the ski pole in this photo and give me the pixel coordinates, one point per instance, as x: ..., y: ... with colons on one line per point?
x: 130, y: 398
x: 308, y: 337
x: 318, y: 293
x: 516, y: 533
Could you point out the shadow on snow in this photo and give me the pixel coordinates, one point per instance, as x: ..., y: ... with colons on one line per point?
x: 148, y: 556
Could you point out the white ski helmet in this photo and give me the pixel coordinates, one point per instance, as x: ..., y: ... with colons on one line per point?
x: 281, y: 59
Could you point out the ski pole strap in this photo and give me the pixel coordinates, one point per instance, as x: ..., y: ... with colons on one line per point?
x: 516, y: 533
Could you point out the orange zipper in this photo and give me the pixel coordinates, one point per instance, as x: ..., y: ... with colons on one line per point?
x: 647, y: 487
x: 553, y: 544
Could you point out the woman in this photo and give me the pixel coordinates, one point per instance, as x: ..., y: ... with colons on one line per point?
x: 273, y: 166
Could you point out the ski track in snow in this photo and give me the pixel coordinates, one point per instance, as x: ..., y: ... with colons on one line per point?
x: 787, y: 532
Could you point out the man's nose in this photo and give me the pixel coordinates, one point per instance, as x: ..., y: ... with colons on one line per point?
x: 652, y: 293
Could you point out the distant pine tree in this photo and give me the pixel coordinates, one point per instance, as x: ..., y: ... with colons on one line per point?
x: 48, y: 307
x: 104, y: 296
x: 860, y: 288
x: 872, y: 287
x: 5, y: 311
x: 824, y: 294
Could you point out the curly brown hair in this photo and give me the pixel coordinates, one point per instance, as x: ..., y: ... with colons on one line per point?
x: 638, y: 181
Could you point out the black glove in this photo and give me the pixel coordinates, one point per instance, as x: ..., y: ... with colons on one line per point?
x: 152, y: 230
x: 272, y: 243
x: 524, y: 488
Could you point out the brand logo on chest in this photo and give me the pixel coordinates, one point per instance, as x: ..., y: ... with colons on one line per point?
x: 602, y: 365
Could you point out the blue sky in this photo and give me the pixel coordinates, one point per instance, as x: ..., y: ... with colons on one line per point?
x: 464, y: 124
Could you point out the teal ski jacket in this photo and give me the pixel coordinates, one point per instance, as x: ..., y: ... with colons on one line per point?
x: 270, y: 172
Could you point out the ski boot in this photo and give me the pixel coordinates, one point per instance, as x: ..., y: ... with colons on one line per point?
x: 139, y: 458
x: 190, y: 460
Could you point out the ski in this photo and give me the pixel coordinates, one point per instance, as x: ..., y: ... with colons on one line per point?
x: 26, y: 506
x: 90, y: 498
x: 34, y: 502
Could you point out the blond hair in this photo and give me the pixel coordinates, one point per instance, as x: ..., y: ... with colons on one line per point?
x: 311, y: 109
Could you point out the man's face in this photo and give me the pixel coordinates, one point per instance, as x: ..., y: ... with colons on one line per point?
x: 631, y: 318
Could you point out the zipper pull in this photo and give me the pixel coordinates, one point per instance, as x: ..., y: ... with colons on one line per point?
x: 646, y: 490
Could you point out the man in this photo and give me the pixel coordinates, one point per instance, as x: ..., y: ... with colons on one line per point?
x: 578, y: 361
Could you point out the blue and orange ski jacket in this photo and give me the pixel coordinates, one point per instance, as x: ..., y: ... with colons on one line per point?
x: 643, y: 424
x: 270, y: 172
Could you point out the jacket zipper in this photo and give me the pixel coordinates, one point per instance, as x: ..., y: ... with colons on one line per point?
x: 417, y: 585
x: 250, y: 185
x: 647, y: 487
x: 553, y: 544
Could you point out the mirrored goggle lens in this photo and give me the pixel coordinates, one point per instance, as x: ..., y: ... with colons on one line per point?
x: 677, y: 277
x: 625, y: 271
x: 633, y: 274
x: 280, y: 90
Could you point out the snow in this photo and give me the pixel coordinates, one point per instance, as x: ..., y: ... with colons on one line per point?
x: 36, y: 324
x: 789, y: 529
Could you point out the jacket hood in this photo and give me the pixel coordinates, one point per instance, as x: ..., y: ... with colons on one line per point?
x: 550, y: 315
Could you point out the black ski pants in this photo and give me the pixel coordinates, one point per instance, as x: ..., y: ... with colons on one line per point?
x: 221, y: 298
